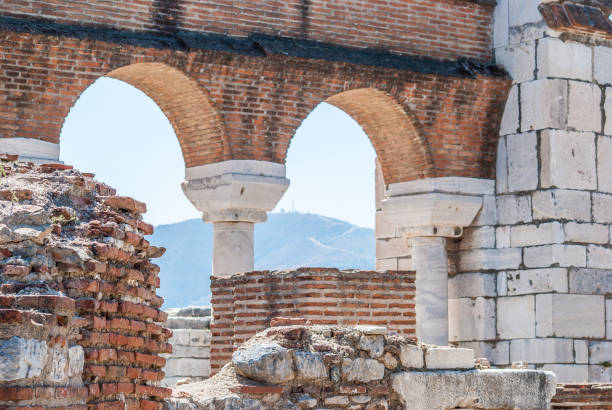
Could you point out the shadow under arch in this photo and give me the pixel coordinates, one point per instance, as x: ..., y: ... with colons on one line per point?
x: 196, y: 122
x: 402, y: 150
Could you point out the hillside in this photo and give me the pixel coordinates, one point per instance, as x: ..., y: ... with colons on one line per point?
x: 285, y: 241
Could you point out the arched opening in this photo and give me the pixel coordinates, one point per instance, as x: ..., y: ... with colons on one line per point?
x: 137, y: 129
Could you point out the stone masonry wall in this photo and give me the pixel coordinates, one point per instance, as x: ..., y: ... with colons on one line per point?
x: 536, y: 284
x: 190, y: 357
x: 78, y: 308
x: 246, y: 303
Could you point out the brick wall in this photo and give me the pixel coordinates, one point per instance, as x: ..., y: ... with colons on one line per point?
x: 423, y: 119
x: 78, y: 308
x: 245, y: 303
x: 583, y: 396
x: 443, y: 29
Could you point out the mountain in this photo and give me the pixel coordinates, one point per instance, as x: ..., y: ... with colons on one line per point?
x: 287, y: 240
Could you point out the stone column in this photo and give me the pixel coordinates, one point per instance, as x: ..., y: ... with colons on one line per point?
x: 426, y: 220
x: 234, y: 195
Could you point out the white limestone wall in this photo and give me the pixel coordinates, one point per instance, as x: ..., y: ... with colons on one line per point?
x: 537, y: 286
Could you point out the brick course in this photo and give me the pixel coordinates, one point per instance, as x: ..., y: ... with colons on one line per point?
x: 246, y: 303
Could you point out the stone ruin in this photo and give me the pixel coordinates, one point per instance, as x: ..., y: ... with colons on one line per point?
x: 363, y: 367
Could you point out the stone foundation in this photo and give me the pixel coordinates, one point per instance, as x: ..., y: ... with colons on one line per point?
x: 245, y: 303
x: 363, y: 367
x: 78, y: 308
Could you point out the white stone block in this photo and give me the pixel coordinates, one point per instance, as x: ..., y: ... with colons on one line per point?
x: 524, y: 282
x: 569, y: 373
x: 522, y: 161
x: 529, y: 235
x: 488, y: 212
x: 568, y: 160
x: 600, y: 352
x: 590, y: 281
x: 609, y: 319
x: 412, y: 356
x: 602, y: 208
x: 604, y: 164
x: 22, y: 358
x: 383, y: 265
x: 478, y: 237
x: 58, y: 365
x: 489, y: 259
x: 471, y: 319
x: 561, y: 255
x: 562, y: 59
x: 584, y: 112
x: 586, y: 233
x: 179, y: 337
x: 76, y: 361
x: 30, y: 149
x: 512, y: 209
x: 500, y: 24
x: 608, y: 111
x: 535, y: 351
x: 392, y: 248
x: 498, y: 353
x: 502, y: 237
x: 405, y: 264
x: 502, y: 284
x: 522, y: 12
x: 601, y: 65
x: 449, y: 358
x: 501, y: 172
x: 519, y: 61
x: 543, y: 104
x: 600, y: 374
x: 510, y: 120
x: 599, y: 257
x: 516, y: 317
x: 384, y: 227
x: 566, y: 315
x: 466, y: 285
x: 199, y: 337
x: 187, y: 367
x: 581, y: 351
x: 200, y: 352
x: 561, y: 204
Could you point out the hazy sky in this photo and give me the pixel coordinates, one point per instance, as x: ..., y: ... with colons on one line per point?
x: 118, y: 133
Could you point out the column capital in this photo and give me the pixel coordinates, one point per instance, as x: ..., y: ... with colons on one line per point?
x: 235, y: 190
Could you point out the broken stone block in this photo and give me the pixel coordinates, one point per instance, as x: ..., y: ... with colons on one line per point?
x: 270, y: 363
x: 374, y: 345
x: 310, y: 365
x: 58, y: 369
x: 363, y: 370
x: 22, y: 358
x: 412, y: 357
x: 76, y: 360
x: 449, y: 358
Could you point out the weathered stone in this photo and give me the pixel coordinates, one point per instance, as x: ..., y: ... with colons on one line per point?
x: 519, y: 61
x: 268, y: 363
x: 502, y: 237
x: 600, y: 353
x: 310, y: 365
x: 522, y: 162
x: 608, y: 111
x: 76, y: 361
x: 542, y: 350
x: 581, y: 351
x: 602, y: 208
x: 179, y: 337
x: 389, y: 361
x: 341, y: 401
x: 566, y: 315
x: 562, y: 204
x: 599, y: 257
x: 561, y: 255
x: 543, y: 104
x: 363, y: 370
x: 449, y: 358
x: 361, y: 399
x: 489, y: 259
x: 199, y: 337
x: 21, y: 358
x: 600, y: 374
x: 513, y: 209
x: 529, y: 235
x: 471, y: 319
x: 529, y: 281
x: 609, y: 316
x: 561, y: 59
x: 501, y: 162
x: 412, y: 357
x: 488, y: 212
x: 568, y: 159
x: 190, y: 351
x: 478, y: 237
x: 602, y: 57
x: 497, y: 352
x: 58, y: 363
x: 372, y: 330
x: 604, y: 163
x: 187, y: 322
x: 471, y: 285
x: 305, y: 401
x: 486, y: 389
x: 374, y: 345
x: 510, y: 120
x: 568, y: 373
x: 516, y: 317
x: 586, y: 233
x: 590, y: 281
x: 187, y: 367
x: 584, y: 112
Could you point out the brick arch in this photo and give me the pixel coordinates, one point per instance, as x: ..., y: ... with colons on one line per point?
x: 401, y: 148
x: 193, y: 117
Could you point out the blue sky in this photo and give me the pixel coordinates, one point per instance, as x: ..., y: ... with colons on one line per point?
x: 118, y: 133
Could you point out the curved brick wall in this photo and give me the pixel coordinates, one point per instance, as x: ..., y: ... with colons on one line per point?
x: 77, y: 294
x: 246, y: 303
